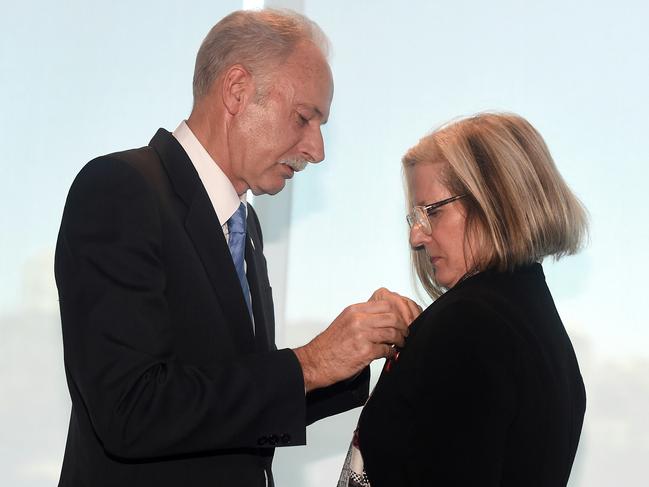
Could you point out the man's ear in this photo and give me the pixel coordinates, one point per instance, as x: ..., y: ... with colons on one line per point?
x: 237, y: 88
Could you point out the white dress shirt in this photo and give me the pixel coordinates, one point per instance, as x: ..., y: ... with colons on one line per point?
x: 220, y: 190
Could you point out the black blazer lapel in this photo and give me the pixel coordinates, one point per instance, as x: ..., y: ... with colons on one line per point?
x: 260, y: 290
x: 260, y: 294
x: 204, y: 229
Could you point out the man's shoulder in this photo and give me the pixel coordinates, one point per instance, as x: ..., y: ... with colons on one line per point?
x: 141, y: 163
x: 143, y: 159
x: 134, y: 157
x: 137, y: 169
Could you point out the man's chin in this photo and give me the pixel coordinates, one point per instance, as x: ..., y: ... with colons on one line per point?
x: 270, y: 189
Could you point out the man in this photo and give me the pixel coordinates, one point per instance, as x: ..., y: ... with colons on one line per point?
x: 166, y: 308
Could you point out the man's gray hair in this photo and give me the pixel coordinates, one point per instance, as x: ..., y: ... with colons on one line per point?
x: 258, y: 40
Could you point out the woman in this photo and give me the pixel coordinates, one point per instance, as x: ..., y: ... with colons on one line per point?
x: 487, y: 390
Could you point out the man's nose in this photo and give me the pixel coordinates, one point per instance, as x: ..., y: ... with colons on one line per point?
x: 313, y: 145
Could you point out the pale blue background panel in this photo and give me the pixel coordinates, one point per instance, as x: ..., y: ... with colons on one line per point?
x: 80, y: 79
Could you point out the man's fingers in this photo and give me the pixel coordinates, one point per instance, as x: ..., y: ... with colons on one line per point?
x: 402, y: 308
x: 387, y: 335
x: 382, y: 351
x: 415, y: 309
x: 408, y: 309
x: 386, y: 327
x: 378, y: 294
x: 379, y: 313
x: 388, y: 320
x: 376, y: 306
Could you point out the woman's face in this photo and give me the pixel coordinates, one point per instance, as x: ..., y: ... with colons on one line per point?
x: 445, y: 245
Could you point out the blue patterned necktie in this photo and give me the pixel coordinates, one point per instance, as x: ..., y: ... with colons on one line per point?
x: 237, y: 244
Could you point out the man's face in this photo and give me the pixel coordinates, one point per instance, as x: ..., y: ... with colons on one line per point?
x: 284, y: 126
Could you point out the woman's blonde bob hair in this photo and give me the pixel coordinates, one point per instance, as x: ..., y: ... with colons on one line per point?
x: 518, y: 207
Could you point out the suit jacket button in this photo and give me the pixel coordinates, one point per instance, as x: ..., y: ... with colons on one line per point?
x: 262, y: 440
x: 273, y: 440
x: 285, y: 439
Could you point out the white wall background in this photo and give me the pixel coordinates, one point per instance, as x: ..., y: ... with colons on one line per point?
x: 78, y: 79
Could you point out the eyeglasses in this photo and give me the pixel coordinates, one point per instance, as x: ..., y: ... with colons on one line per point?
x: 419, y: 214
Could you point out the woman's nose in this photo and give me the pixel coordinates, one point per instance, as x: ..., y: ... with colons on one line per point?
x: 417, y: 236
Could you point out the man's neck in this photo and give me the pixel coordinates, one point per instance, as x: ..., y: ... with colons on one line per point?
x: 212, y: 137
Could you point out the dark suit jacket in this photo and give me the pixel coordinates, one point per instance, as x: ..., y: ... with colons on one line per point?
x: 487, y: 392
x: 169, y: 385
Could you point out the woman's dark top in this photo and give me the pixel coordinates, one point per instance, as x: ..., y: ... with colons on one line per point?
x: 486, y: 392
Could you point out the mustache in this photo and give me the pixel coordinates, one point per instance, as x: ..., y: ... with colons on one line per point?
x: 295, y: 163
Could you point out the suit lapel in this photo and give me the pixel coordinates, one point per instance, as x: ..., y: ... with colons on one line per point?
x: 204, y: 229
x: 262, y: 304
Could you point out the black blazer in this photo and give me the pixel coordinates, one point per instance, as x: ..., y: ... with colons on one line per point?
x: 487, y: 392
x: 169, y: 385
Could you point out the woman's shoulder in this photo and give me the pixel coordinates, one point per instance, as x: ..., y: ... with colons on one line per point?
x: 480, y: 318
x: 461, y: 312
x: 489, y: 298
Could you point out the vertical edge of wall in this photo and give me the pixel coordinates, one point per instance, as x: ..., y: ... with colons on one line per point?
x: 275, y: 217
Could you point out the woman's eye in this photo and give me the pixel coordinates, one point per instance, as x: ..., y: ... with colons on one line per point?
x: 433, y: 213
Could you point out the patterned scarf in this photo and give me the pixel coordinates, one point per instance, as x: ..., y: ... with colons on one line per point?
x: 353, y: 473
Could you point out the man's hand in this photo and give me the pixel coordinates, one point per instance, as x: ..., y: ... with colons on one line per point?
x: 407, y: 308
x: 360, y: 334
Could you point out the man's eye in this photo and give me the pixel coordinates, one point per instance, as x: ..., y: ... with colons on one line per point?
x: 433, y: 213
x: 302, y: 120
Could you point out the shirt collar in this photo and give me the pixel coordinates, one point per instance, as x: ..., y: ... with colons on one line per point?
x: 220, y: 190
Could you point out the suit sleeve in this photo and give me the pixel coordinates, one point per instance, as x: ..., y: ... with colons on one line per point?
x: 338, y: 397
x: 467, y: 399
x: 141, y: 400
